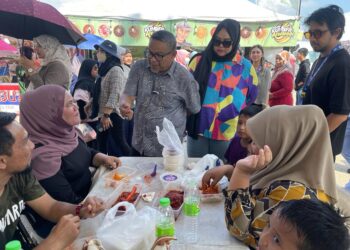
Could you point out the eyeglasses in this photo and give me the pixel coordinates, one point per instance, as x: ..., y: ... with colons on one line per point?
x: 149, y: 54
x: 226, y: 43
x: 316, y: 34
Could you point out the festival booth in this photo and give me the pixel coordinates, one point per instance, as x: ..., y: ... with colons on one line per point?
x: 131, y: 23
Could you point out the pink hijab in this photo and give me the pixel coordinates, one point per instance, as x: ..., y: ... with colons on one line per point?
x: 41, y: 113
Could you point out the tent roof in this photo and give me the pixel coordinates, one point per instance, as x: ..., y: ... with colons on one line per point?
x: 160, y: 10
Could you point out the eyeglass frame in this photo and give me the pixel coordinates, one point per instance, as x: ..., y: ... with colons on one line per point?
x: 217, y: 42
x: 313, y: 34
x: 149, y: 54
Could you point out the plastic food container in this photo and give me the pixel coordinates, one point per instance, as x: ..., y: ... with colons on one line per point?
x: 124, y: 191
x: 163, y: 193
x: 121, y: 174
x: 173, y: 160
x: 212, y: 197
x: 170, y: 180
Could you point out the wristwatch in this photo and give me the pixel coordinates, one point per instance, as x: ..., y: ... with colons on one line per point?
x: 30, y: 70
x: 106, y: 115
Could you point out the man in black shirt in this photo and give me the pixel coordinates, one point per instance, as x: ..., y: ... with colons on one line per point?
x: 303, y: 72
x: 328, y: 84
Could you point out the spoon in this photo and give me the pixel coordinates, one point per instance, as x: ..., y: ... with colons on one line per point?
x: 154, y: 173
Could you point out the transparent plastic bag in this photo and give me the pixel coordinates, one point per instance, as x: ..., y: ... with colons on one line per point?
x: 169, y: 138
x: 129, y: 230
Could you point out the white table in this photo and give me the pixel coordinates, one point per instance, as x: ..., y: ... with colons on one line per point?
x: 212, y: 232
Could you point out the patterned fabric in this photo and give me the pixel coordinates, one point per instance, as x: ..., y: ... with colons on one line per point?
x: 232, y: 86
x: 248, y: 211
x: 112, y: 86
x: 173, y: 95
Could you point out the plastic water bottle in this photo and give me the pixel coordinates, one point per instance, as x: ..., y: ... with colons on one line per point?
x: 191, y: 212
x: 13, y: 245
x: 165, y: 225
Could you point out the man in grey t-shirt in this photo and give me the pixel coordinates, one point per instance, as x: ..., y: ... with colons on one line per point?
x: 161, y: 88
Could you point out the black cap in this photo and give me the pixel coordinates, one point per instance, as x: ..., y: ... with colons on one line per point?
x: 108, y: 46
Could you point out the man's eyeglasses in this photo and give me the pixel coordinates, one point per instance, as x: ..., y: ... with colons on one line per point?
x: 149, y: 54
x: 226, y: 43
x: 316, y: 34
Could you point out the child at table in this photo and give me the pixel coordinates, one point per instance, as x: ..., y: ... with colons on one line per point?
x: 305, y: 224
x: 238, y: 149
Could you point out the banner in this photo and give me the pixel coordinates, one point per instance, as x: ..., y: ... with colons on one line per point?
x: 9, y: 97
x: 192, y: 33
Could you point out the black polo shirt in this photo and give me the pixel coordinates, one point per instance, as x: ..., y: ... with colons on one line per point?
x: 330, y: 90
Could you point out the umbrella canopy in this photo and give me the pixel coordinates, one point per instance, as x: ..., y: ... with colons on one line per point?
x: 91, y: 40
x: 27, y: 19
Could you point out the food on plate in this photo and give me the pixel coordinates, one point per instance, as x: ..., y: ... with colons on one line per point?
x: 246, y: 32
x: 88, y: 28
x: 148, y: 197
x: 93, y: 244
x: 261, y: 32
x: 124, y: 195
x: 119, y: 31
x: 176, y: 198
x: 104, y: 30
x: 210, y: 189
x: 118, y: 177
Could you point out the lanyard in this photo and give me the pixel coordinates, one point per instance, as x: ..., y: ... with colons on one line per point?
x: 316, y: 69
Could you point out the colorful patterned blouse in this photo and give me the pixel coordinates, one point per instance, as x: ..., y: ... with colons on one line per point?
x: 247, y: 211
x: 232, y: 86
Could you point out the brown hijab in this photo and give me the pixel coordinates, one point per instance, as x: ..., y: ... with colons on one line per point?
x: 41, y: 115
x: 300, y: 143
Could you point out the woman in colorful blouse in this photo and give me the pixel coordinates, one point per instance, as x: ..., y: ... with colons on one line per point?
x: 282, y: 81
x: 292, y: 166
x: 227, y: 83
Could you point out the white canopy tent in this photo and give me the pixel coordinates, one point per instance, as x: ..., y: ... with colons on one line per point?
x: 159, y: 10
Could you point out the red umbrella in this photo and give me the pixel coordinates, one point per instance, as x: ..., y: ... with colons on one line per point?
x: 27, y: 19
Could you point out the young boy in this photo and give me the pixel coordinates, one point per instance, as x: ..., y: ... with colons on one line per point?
x: 305, y: 225
x: 237, y: 149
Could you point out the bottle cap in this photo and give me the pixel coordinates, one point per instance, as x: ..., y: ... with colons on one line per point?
x: 13, y: 245
x: 164, y: 202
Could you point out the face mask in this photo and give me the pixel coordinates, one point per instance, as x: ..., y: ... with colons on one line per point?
x: 101, y: 57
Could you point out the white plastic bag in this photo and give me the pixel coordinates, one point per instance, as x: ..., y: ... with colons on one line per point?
x: 169, y: 138
x: 132, y: 230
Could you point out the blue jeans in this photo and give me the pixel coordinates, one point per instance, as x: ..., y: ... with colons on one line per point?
x: 346, y: 144
x: 299, y: 100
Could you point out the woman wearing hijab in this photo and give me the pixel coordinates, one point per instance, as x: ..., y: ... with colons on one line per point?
x: 55, y: 68
x: 84, y: 88
x: 282, y: 81
x: 283, y: 166
x: 109, y: 87
x: 227, y: 83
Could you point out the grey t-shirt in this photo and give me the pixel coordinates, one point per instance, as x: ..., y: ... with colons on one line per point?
x: 173, y: 95
x: 21, y: 187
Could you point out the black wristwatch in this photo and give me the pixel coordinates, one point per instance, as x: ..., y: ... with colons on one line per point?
x: 106, y: 115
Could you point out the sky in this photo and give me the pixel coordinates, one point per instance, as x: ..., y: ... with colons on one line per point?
x: 281, y: 6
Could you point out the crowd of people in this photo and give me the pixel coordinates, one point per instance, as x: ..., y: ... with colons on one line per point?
x: 279, y: 158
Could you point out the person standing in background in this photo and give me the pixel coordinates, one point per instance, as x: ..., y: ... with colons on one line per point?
x: 256, y: 56
x: 328, y: 84
x: 303, y: 72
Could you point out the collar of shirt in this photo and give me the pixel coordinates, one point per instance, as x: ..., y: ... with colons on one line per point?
x: 170, y: 71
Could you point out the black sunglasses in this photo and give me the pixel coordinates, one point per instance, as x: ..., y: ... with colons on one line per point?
x: 225, y: 43
x: 316, y: 34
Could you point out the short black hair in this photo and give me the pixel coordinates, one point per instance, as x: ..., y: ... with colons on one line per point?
x: 303, y: 51
x: 332, y: 16
x: 318, y: 224
x: 252, y: 110
x: 7, y: 140
x: 165, y: 37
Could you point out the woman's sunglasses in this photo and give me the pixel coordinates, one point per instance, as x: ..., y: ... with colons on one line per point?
x: 225, y: 44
